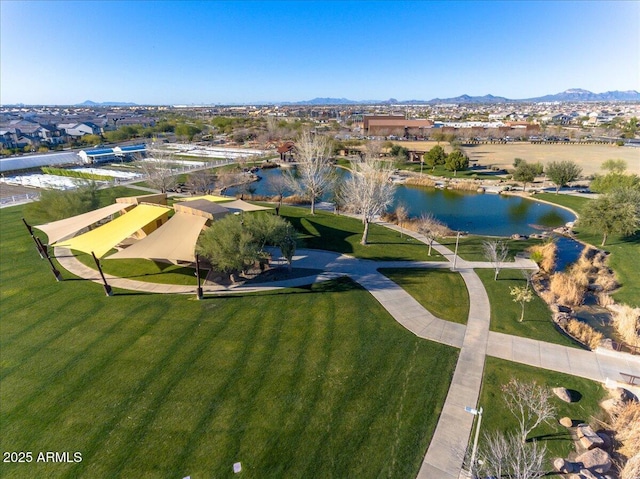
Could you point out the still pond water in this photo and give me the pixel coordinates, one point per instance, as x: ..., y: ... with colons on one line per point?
x: 481, y: 214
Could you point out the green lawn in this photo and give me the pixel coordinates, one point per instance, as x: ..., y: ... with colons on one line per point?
x: 342, y: 234
x: 442, y: 172
x: 505, y: 313
x: 625, y: 251
x: 441, y: 292
x: 496, y: 416
x: 575, y: 203
x: 144, y: 270
x: 309, y: 382
x: 470, y: 247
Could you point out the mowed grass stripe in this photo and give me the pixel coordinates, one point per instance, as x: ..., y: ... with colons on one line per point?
x: 63, y: 386
x: 308, y: 382
x: 45, y: 331
x: 161, y: 381
x: 257, y: 356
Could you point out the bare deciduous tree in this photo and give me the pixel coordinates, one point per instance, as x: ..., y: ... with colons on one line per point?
x: 402, y: 214
x: 369, y: 190
x: 431, y: 228
x: 529, y: 403
x: 314, y: 174
x: 505, y: 456
x: 200, y: 182
x: 496, y: 252
x: 159, y: 170
x: 279, y: 186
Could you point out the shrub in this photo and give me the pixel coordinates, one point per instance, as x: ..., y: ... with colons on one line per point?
x: 545, y: 256
x: 579, y: 274
x: 627, y: 322
x: 631, y: 469
x: 603, y: 299
x: 626, y: 418
x: 568, y: 291
x: 606, y: 280
x: 420, y: 182
x: 584, y: 333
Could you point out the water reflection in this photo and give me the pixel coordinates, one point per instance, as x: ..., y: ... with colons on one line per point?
x: 483, y: 214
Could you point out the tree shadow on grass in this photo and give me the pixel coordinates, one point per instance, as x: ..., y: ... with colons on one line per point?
x: 329, y: 238
x: 555, y: 436
x: 337, y: 285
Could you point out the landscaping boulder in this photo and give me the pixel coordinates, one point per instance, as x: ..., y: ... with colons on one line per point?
x: 566, y: 421
x: 588, y: 438
x: 562, y: 393
x: 596, y: 461
x: 564, y: 466
x: 587, y: 474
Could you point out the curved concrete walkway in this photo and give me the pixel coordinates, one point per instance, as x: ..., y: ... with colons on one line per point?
x: 445, y: 456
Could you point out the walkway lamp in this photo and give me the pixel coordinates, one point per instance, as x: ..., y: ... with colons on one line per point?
x: 475, y: 412
x: 455, y: 254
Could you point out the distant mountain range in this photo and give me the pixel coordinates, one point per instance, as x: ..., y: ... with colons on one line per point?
x: 105, y: 103
x: 571, y: 95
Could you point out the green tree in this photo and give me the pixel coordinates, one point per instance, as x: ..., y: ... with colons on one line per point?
x: 184, y: 130
x: 526, y: 172
x: 235, y: 243
x: 267, y: 229
x: 229, y: 246
x: 57, y: 204
x: 562, y: 173
x: 614, y: 180
x: 399, y: 152
x: 287, y: 243
x: 522, y: 295
x: 456, y: 161
x: 614, y: 166
x: 90, y: 139
x: 630, y: 128
x: 116, y: 136
x: 435, y: 156
x: 617, y: 212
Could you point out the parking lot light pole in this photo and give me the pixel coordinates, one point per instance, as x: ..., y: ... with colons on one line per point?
x: 474, y: 450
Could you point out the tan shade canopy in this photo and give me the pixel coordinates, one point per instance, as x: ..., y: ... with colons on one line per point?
x: 202, y: 208
x: 239, y: 205
x: 61, y: 229
x: 104, y: 238
x: 175, y: 240
x: 213, y: 198
x: 155, y: 198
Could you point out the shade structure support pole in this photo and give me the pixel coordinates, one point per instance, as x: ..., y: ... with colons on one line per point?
x: 199, y: 290
x: 42, y: 251
x: 107, y: 288
x: 33, y: 237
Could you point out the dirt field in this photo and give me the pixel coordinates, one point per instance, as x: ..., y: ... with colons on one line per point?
x: 7, y: 191
x: 589, y: 157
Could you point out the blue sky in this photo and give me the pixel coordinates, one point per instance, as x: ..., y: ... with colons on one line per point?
x: 55, y: 52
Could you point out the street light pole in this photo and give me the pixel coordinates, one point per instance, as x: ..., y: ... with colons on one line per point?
x: 474, y: 450
x: 455, y: 254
